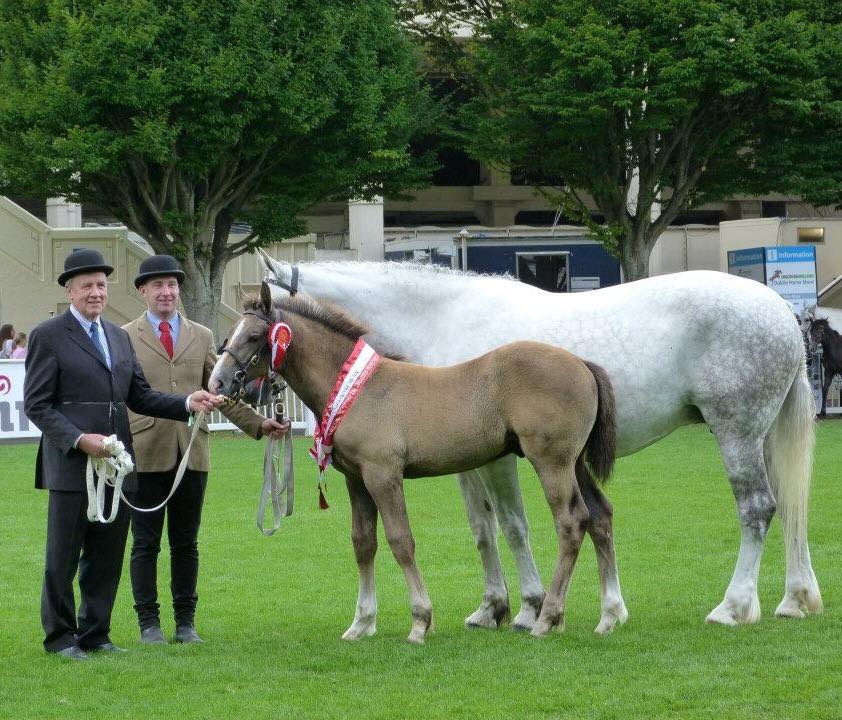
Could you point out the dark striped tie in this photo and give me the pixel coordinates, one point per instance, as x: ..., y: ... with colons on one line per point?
x: 97, y: 339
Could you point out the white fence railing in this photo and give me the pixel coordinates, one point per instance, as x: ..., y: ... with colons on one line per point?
x: 14, y: 425
x: 301, y: 418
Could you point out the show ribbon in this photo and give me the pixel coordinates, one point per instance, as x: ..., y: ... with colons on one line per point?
x: 355, y: 373
x: 280, y: 336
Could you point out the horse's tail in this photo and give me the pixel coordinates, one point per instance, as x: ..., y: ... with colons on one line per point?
x: 788, y: 451
x: 601, y: 447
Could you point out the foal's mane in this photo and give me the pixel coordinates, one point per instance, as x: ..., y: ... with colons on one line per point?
x: 324, y: 314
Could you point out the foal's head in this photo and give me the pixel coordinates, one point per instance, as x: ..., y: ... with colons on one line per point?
x: 247, y: 353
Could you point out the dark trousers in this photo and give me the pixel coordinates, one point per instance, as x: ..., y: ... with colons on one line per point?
x: 184, y: 514
x: 96, y: 551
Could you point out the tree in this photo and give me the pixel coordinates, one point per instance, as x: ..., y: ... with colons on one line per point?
x: 181, y: 117
x: 675, y: 102
x: 805, y: 158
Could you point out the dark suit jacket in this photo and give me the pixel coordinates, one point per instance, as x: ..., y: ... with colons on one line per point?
x: 69, y: 390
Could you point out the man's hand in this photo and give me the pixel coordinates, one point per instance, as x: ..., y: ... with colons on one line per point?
x: 203, y: 400
x: 274, y: 429
x: 93, y: 445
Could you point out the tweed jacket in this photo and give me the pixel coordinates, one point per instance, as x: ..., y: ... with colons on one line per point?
x: 159, y: 443
x: 69, y: 390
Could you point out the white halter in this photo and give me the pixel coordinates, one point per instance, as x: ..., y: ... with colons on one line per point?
x: 113, y: 470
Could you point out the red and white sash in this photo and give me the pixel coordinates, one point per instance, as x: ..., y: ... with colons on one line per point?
x: 355, y: 373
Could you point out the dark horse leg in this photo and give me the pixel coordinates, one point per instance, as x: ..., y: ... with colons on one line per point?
x: 599, y: 527
x: 826, y: 382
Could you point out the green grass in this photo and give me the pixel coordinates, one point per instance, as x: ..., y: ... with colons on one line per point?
x: 273, y: 609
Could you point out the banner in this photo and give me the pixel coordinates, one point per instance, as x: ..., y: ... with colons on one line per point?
x: 13, y: 422
x: 789, y: 270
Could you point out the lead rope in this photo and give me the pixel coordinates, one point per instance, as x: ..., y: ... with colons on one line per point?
x: 280, y: 487
x: 113, y: 470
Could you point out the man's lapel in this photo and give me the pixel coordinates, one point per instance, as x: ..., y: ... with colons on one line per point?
x: 186, y: 334
x: 147, y: 336
x: 82, y: 339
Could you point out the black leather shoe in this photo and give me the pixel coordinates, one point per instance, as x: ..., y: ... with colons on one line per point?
x: 187, y: 634
x: 74, y: 652
x: 107, y: 647
x: 152, y: 636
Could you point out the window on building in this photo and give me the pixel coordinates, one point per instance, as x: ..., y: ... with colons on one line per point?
x: 544, y: 218
x: 546, y: 270
x: 440, y: 218
x: 772, y: 208
x: 702, y: 217
x: 530, y: 176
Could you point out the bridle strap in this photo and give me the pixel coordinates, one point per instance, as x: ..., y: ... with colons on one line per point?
x: 292, y: 288
x: 278, y: 476
x: 243, y: 365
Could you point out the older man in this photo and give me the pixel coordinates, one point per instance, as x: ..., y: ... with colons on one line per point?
x: 81, y: 375
x: 173, y: 351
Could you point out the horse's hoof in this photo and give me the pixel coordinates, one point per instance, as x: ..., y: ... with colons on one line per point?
x: 611, y: 619
x: 790, y: 609
x: 486, y: 618
x: 358, y: 631
x: 525, y: 620
x: 796, y: 608
x: 732, y: 613
x: 799, y: 602
x: 720, y: 617
x: 480, y: 623
x: 416, y: 638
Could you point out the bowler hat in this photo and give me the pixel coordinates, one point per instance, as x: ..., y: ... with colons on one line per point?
x: 83, y: 260
x: 158, y: 266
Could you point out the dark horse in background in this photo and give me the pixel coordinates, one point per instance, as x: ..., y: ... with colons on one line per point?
x: 831, y: 341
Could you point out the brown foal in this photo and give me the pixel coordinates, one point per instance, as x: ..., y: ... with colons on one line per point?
x: 410, y: 421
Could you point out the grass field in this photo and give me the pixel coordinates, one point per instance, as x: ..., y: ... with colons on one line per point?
x: 272, y: 610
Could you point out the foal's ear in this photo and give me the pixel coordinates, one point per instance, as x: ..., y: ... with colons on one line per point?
x: 266, y: 297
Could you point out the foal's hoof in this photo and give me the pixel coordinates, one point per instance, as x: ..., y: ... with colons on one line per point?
x: 611, y: 619
x: 544, y: 625
x: 422, y: 625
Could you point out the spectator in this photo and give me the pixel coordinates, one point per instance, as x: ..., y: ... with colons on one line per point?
x: 7, y: 333
x: 19, y: 350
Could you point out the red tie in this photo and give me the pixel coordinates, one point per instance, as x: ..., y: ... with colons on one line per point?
x: 166, y: 337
